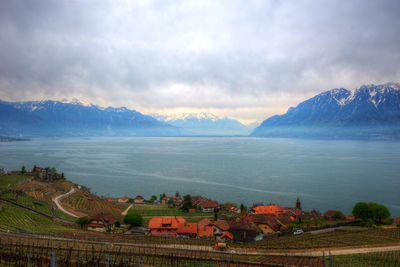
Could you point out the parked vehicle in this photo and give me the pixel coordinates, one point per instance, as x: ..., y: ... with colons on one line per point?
x: 298, y: 232
x: 220, y: 246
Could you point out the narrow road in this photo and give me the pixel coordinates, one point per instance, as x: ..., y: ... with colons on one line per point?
x: 60, y: 197
x: 127, y: 209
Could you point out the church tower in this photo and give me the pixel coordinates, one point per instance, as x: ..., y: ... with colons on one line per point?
x: 298, y: 204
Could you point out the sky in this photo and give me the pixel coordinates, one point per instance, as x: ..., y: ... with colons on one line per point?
x: 246, y: 60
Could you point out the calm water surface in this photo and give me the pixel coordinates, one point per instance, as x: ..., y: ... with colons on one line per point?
x: 324, y: 174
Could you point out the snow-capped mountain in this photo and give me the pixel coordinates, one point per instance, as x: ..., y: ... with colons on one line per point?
x: 75, y: 118
x: 368, y: 111
x: 205, y: 124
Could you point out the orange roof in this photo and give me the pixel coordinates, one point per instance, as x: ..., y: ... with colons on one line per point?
x: 223, y: 225
x: 206, y: 231
x: 268, y: 209
x: 124, y: 198
x: 187, y: 228
x: 166, y: 222
x: 210, y: 204
x: 205, y: 222
x: 227, y: 234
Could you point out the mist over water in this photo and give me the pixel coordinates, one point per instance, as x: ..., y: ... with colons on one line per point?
x: 324, y: 174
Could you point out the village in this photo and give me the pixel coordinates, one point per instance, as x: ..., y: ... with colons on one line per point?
x: 175, y: 216
x: 229, y: 223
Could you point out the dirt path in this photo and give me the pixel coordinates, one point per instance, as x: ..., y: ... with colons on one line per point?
x: 127, y: 209
x: 60, y: 197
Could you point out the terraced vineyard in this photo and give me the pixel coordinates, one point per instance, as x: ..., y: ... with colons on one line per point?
x: 82, y: 203
x: 379, y: 259
x: 91, y: 252
x: 338, y: 238
x: 14, y: 218
x: 35, y: 204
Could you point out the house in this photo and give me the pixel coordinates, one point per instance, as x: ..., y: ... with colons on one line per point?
x: 175, y: 200
x: 332, y: 214
x: 209, y: 206
x: 267, y: 223
x: 268, y: 209
x: 187, y: 229
x: 102, y: 222
x: 165, y: 226
x: 177, y: 226
x: 138, y: 200
x: 396, y: 221
x: 123, y: 200
x: 205, y: 231
x: 220, y: 227
x: 109, y: 200
x: 242, y: 232
x: 349, y: 217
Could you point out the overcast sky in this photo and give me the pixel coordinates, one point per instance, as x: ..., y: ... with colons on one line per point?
x: 243, y: 59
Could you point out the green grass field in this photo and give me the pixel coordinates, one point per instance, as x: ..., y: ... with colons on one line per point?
x: 12, y: 179
x: 148, y: 211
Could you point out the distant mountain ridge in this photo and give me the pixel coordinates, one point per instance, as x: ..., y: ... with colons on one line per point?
x: 369, y: 111
x: 206, y: 124
x: 50, y: 118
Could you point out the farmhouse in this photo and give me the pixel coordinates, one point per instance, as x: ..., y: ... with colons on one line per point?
x: 138, y: 199
x: 268, y: 209
x: 177, y: 226
x: 123, y: 200
x: 102, y: 222
x: 209, y: 206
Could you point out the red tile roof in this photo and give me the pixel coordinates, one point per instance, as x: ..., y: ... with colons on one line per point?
x: 223, y: 225
x: 205, y: 222
x: 207, y: 231
x: 209, y: 204
x: 105, y: 217
x: 166, y: 222
x: 187, y: 228
x: 268, y: 209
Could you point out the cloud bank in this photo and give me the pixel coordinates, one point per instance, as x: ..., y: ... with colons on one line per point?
x: 243, y: 59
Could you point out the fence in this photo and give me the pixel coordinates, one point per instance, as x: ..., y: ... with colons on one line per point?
x: 18, y: 249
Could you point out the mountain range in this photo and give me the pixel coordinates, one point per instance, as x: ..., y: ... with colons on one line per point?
x: 206, y: 124
x: 371, y: 111
x: 73, y: 118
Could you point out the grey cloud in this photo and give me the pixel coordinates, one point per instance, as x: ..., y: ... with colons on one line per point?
x: 225, y: 54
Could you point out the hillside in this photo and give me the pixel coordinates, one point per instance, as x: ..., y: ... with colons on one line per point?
x: 371, y: 111
x: 62, y: 118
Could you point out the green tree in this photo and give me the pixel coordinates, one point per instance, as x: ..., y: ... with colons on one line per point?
x: 371, y: 211
x: 379, y: 211
x: 152, y: 199
x: 23, y: 170
x: 177, y: 194
x: 133, y: 218
x: 187, y: 203
x: 338, y: 216
x: 82, y: 221
x: 362, y: 211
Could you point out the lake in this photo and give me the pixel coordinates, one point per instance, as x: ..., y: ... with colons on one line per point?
x: 323, y: 174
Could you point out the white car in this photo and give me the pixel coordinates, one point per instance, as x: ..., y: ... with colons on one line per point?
x: 298, y: 232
